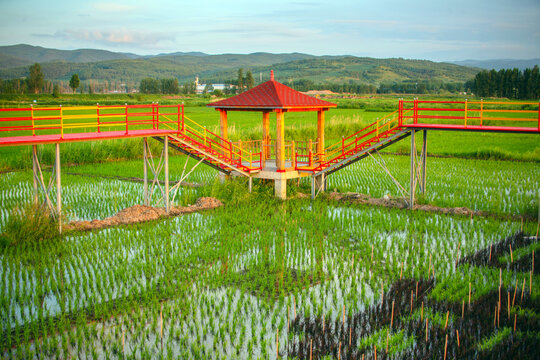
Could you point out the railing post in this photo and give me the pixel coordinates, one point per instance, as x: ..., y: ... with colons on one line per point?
x: 400, y: 112
x: 126, y: 111
x: 157, y: 115
x: 481, y: 112
x: 465, y: 117
x: 342, y: 145
x: 293, y: 154
x: 310, y: 158
x: 97, y: 115
x: 32, y: 114
x: 205, y: 133
x: 240, y: 151
x: 178, y: 117
x: 415, y: 111
x: 153, y: 117
x: 61, y: 123
x: 377, y: 127
x: 183, y: 119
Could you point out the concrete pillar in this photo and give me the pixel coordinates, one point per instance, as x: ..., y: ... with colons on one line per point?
x: 280, y: 186
x: 320, y: 135
x: 280, y: 141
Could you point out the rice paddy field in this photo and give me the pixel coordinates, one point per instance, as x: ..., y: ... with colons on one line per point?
x: 261, y: 278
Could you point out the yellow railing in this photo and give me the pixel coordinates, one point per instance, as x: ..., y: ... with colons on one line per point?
x: 223, y: 146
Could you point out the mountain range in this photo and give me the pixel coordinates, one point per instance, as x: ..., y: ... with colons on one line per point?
x: 99, y: 65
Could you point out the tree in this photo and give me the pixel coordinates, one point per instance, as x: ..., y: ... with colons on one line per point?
x: 35, y: 79
x: 150, y: 86
x: 189, y: 88
x: 240, y: 80
x: 56, y: 91
x: 169, y: 86
x: 74, y: 82
x: 249, y: 80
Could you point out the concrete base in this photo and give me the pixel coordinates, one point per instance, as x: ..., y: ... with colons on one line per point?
x: 280, y: 186
x: 280, y: 178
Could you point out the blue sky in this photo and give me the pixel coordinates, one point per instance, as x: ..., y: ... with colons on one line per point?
x: 434, y: 30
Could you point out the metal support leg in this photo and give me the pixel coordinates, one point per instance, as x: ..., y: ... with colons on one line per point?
x: 35, y: 172
x: 166, y: 160
x: 145, y: 170
x: 58, y: 188
x: 424, y: 161
x: 413, y: 172
x: 312, y: 188
x: 250, y: 184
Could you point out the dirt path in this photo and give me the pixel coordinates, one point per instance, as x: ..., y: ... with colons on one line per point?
x: 400, y: 203
x: 143, y: 213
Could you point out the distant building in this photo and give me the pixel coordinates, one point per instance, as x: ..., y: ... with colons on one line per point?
x: 201, y: 87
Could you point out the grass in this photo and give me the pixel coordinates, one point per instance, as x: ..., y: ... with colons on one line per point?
x: 208, y: 277
x: 27, y: 224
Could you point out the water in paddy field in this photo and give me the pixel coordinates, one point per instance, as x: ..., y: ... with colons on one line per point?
x: 187, y: 275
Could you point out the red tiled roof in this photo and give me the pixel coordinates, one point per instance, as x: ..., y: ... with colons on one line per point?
x: 271, y: 95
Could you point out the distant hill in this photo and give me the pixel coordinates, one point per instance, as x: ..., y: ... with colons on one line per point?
x: 29, y: 54
x: 499, y: 64
x: 103, y: 65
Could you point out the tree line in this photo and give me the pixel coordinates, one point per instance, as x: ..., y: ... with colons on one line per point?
x: 36, y: 83
x: 508, y: 83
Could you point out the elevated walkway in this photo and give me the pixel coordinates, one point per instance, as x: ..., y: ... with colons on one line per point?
x: 169, y: 125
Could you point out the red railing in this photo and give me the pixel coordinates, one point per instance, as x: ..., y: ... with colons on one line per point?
x: 59, y: 120
x: 442, y: 115
x: 478, y: 115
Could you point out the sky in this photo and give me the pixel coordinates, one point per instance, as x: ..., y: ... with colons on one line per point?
x: 426, y: 29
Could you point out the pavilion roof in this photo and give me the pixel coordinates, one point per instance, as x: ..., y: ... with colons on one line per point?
x: 272, y: 95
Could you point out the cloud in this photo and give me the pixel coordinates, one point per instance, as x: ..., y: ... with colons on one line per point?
x: 116, y: 38
x: 113, y: 7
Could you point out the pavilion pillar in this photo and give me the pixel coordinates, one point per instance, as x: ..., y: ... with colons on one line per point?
x: 320, y: 135
x: 266, y: 134
x: 280, y: 181
x: 280, y: 141
x: 223, y: 131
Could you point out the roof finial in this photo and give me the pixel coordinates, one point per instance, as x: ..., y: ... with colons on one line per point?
x: 272, y: 75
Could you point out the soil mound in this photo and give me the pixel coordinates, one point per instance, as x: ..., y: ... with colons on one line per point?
x: 142, y: 213
x: 401, y: 203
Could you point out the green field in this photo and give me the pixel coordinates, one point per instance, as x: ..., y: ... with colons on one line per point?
x: 258, y: 277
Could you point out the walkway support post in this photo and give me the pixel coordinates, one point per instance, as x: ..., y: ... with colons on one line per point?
x: 35, y: 171
x: 145, y: 171
x: 413, y: 172
x: 166, y: 165
x: 424, y: 162
x: 58, y: 188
